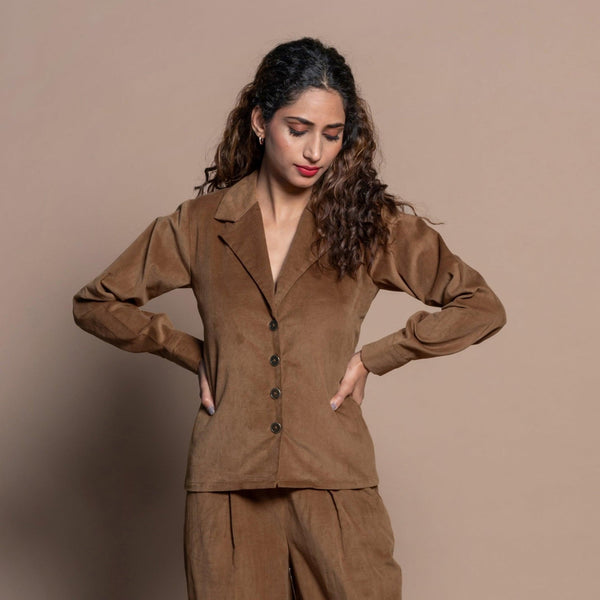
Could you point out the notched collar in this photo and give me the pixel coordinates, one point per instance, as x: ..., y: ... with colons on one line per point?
x: 243, y: 231
x: 238, y: 198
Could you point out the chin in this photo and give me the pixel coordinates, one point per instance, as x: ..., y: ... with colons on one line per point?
x: 299, y: 182
x: 305, y: 181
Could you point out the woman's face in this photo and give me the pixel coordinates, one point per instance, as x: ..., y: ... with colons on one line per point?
x: 307, y: 133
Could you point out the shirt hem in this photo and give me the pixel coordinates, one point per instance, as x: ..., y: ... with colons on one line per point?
x: 227, y: 486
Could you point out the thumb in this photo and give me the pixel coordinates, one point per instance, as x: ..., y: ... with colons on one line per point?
x: 344, y: 390
x: 206, y: 398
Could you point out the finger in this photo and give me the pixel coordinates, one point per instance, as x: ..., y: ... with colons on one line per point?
x: 206, y: 398
x: 344, y: 390
x: 208, y: 404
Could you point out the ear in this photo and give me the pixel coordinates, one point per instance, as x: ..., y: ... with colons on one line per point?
x: 257, y: 121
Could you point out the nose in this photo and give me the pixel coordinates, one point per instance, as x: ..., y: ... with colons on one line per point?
x: 313, y: 148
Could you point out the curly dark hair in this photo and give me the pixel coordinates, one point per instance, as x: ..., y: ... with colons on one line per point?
x: 351, y: 205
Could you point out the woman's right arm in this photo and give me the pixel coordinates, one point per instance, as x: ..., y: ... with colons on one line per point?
x: 156, y: 262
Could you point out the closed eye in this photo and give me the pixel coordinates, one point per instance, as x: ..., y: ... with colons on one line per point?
x: 331, y: 138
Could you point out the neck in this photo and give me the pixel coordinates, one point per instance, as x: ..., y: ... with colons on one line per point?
x: 281, y: 201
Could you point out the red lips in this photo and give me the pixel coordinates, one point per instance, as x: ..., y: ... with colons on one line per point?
x: 307, y: 171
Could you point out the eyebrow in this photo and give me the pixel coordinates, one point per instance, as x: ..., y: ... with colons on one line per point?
x: 307, y: 122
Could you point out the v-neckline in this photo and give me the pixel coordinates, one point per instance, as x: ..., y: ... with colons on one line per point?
x: 275, y: 281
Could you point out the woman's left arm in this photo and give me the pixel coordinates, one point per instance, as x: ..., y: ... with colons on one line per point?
x: 419, y: 262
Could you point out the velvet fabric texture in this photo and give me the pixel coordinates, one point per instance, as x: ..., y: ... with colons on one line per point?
x: 275, y: 352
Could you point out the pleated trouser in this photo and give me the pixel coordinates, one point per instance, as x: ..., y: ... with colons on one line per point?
x: 285, y: 544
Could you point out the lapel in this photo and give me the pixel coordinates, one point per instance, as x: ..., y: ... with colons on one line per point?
x: 243, y: 231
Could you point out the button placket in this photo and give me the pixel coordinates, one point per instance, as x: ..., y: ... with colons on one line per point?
x: 275, y: 392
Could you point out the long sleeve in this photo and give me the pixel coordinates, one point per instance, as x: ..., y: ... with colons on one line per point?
x: 419, y: 263
x: 156, y: 262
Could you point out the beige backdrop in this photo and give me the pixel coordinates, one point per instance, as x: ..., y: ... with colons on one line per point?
x: 487, y: 113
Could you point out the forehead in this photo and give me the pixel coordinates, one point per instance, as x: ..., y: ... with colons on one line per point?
x: 316, y: 105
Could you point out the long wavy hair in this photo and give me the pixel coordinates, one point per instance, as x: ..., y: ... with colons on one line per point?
x: 352, y: 208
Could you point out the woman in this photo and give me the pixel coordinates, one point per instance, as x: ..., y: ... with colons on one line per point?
x: 286, y: 245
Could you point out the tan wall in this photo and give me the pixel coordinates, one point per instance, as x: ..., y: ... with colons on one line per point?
x: 488, y: 119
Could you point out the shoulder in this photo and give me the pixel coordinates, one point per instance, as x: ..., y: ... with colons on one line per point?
x: 193, y: 213
x: 407, y: 229
x: 201, y: 207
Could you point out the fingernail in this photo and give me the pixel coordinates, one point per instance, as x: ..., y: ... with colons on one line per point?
x: 333, y: 406
x: 211, y: 410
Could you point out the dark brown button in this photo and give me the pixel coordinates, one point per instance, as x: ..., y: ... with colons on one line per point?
x: 272, y: 324
x: 275, y: 427
x: 275, y: 393
x: 274, y: 360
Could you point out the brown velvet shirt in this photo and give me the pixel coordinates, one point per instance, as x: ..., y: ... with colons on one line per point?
x: 275, y: 354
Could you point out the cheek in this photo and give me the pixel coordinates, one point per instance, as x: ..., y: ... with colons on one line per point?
x: 281, y: 144
x: 333, y: 152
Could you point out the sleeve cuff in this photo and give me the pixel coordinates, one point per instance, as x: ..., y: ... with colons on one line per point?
x: 187, y: 351
x: 382, y: 356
